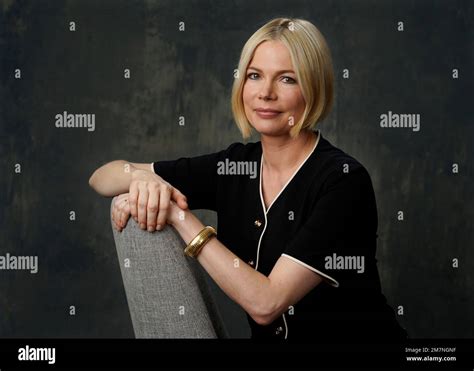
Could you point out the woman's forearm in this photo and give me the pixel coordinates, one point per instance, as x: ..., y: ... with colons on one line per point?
x: 243, y: 284
x: 112, y: 178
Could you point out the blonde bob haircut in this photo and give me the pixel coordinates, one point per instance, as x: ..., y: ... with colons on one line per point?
x: 312, y: 63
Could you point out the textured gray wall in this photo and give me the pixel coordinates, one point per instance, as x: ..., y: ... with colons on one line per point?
x: 190, y: 74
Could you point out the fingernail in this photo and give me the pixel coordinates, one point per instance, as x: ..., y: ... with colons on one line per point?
x: 142, y: 225
x: 150, y: 228
x: 158, y: 227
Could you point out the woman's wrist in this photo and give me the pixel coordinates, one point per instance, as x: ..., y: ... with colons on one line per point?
x: 185, y: 222
x: 175, y: 214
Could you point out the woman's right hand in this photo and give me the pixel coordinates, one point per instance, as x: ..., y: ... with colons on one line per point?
x: 121, y: 211
x: 149, y: 199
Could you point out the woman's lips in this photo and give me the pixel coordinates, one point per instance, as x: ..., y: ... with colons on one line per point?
x: 267, y: 114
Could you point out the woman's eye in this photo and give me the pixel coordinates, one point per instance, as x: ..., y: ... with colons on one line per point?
x: 289, y: 80
x: 286, y: 79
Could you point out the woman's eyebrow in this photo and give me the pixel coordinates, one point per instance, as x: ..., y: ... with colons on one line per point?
x: 277, y: 72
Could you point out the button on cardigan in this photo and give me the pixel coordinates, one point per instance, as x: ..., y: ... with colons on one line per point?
x: 324, y: 218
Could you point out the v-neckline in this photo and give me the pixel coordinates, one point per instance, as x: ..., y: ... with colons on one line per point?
x: 265, y: 210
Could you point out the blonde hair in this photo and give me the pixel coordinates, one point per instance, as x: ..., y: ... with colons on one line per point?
x: 312, y: 62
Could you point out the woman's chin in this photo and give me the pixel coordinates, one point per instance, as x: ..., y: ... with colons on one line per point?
x: 271, y: 128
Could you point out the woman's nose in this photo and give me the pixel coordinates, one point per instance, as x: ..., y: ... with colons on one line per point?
x: 267, y: 91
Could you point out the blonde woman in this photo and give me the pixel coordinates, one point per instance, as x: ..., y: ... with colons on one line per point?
x: 296, y: 243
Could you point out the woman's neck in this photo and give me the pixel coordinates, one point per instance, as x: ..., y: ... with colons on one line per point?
x: 282, y: 154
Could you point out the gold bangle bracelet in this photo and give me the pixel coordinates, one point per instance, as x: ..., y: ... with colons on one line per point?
x: 197, y: 243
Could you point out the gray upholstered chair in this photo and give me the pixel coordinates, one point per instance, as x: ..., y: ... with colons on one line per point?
x: 167, y: 292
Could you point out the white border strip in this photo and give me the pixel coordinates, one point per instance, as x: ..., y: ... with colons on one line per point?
x: 332, y: 281
x: 286, y: 326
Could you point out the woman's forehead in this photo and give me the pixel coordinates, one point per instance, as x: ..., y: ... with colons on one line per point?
x: 271, y: 55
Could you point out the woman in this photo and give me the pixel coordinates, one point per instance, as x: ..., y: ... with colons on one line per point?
x: 296, y: 244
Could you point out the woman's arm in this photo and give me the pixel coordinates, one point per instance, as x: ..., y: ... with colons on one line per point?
x: 263, y: 298
x: 149, y: 194
x: 114, y: 178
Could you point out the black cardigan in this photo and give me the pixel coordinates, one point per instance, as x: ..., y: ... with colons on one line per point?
x: 325, y: 218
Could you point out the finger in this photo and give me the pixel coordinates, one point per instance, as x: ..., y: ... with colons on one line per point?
x: 125, y: 214
x: 117, y: 225
x: 115, y: 216
x: 165, y: 195
x: 152, y: 208
x: 127, y: 208
x: 114, y: 202
x: 142, y: 204
x: 114, y: 223
x: 113, y: 209
x: 121, y: 208
x: 179, y: 198
x: 118, y: 215
x: 133, y: 199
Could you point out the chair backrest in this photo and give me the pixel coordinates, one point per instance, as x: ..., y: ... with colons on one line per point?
x: 167, y: 292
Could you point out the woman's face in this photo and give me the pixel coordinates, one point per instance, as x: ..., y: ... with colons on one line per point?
x: 270, y: 84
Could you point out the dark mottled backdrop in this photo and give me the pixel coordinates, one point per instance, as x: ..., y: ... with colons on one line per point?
x: 190, y: 74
